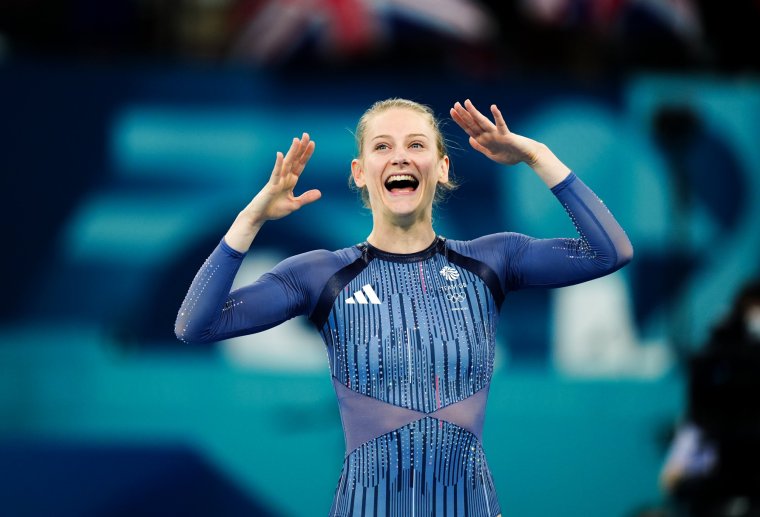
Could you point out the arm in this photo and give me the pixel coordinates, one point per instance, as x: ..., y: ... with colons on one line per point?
x: 210, y: 312
x: 602, y: 246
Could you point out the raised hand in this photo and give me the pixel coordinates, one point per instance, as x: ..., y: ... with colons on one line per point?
x: 494, y: 139
x: 277, y: 199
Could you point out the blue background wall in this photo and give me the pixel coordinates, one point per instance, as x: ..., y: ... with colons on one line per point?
x: 118, y: 181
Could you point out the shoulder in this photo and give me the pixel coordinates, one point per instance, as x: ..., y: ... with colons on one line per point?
x: 494, y: 252
x: 315, y: 267
x: 306, y: 275
x: 489, y: 245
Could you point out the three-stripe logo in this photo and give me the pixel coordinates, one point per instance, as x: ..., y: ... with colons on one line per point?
x: 359, y: 297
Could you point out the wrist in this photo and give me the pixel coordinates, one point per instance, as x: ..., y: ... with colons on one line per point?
x: 248, y: 223
x: 538, y: 155
x: 548, y: 167
x: 242, y: 231
x: 251, y: 217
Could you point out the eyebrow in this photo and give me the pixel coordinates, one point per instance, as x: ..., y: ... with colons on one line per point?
x: 411, y: 135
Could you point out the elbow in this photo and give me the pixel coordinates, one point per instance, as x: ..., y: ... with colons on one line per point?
x: 615, y: 257
x: 625, y: 253
x: 185, y: 333
x: 181, y: 333
x: 181, y: 327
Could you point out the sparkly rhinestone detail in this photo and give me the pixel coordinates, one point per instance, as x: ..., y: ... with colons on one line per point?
x: 193, y: 296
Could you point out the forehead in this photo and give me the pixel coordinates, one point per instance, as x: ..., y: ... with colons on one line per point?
x: 399, y: 121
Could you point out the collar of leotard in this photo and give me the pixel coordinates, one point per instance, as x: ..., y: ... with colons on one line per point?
x: 438, y: 246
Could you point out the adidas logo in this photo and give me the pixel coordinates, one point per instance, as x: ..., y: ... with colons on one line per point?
x: 359, y: 297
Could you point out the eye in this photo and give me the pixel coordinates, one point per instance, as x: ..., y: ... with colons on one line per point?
x: 417, y: 145
x: 381, y: 147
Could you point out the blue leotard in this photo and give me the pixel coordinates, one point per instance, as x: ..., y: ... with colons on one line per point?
x: 410, y: 340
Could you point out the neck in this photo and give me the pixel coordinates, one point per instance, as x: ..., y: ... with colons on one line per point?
x: 402, y: 239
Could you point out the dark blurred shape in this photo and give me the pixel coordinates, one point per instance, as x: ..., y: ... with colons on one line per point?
x: 597, y: 37
x: 658, y: 279
x: 704, y: 174
x: 724, y: 380
x: 40, y: 479
x: 76, y: 27
x: 660, y: 35
x: 732, y: 33
x: 695, y: 152
x: 741, y: 328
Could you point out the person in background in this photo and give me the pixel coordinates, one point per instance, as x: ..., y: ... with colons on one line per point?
x: 711, y: 469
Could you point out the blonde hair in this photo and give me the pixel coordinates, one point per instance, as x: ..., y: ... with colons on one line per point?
x: 397, y: 103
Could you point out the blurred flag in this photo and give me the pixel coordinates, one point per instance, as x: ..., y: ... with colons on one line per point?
x: 273, y: 30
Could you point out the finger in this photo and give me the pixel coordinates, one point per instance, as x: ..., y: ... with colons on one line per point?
x: 501, y: 124
x: 458, y: 119
x: 303, y: 144
x: 308, y: 150
x: 292, y: 152
x: 461, y: 117
x: 466, y: 116
x: 277, y: 170
x: 308, y: 197
x: 476, y: 145
x: 301, y: 155
x: 299, y: 167
x: 479, y: 119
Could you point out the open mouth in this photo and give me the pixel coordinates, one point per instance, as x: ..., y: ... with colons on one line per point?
x: 401, y: 183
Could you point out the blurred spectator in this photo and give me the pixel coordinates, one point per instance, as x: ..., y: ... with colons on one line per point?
x: 711, y: 469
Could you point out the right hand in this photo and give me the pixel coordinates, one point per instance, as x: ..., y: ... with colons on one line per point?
x: 494, y: 139
x: 276, y: 199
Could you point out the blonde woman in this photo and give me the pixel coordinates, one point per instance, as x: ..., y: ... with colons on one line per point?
x: 408, y: 317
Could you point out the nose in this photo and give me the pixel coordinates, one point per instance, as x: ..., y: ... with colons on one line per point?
x: 399, y: 157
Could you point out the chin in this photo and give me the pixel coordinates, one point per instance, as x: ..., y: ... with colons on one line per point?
x: 405, y: 209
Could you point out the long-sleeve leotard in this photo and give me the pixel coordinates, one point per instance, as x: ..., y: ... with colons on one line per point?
x: 410, y: 341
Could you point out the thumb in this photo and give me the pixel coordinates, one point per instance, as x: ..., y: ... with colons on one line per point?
x: 308, y: 197
x: 476, y: 145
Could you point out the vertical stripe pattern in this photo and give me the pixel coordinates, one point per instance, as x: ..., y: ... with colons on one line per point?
x: 429, y: 467
x: 429, y: 343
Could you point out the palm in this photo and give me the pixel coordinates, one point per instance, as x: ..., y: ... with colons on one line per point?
x: 277, y: 199
x: 493, y: 139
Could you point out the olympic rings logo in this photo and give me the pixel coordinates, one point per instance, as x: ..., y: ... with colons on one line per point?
x: 456, y: 297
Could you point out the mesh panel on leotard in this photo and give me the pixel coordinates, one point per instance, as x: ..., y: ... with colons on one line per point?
x: 417, y: 335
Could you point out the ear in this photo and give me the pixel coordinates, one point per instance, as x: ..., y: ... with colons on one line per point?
x: 357, y: 171
x: 443, y: 171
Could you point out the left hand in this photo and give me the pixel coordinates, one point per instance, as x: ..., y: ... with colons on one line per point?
x: 494, y: 139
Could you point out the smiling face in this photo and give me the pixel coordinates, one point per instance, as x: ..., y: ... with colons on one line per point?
x: 400, y: 164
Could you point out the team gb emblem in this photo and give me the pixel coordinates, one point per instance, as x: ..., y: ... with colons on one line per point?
x: 449, y: 273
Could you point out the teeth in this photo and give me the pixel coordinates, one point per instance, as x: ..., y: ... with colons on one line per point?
x: 400, y: 177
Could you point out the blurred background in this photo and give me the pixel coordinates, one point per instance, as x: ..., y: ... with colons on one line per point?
x: 133, y: 131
